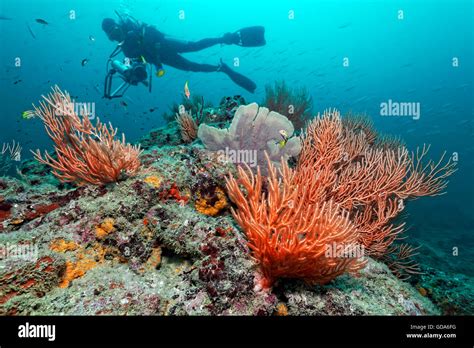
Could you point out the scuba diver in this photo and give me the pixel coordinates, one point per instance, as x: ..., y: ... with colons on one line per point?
x: 142, y: 41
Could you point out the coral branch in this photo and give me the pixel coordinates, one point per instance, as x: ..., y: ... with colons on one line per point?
x: 187, y: 126
x: 85, y: 154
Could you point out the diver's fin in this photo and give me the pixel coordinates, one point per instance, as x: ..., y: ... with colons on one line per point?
x: 239, y: 79
x: 251, y: 36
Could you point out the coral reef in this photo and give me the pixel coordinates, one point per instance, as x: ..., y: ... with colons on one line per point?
x: 162, y: 258
x: 19, y: 277
x: 194, y: 105
x: 85, y: 154
x: 253, y: 131
x: 164, y: 241
x: 296, y: 104
x: 172, y: 134
x: 451, y: 292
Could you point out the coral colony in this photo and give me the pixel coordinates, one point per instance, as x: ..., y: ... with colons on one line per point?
x: 84, y: 153
x: 217, y: 213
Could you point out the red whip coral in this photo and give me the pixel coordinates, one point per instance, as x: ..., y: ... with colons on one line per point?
x: 370, y: 178
x: 85, y: 154
x: 347, y: 188
x: 289, y: 236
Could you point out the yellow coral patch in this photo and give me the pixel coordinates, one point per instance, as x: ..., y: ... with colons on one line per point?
x: 61, y: 245
x: 281, y: 310
x: 153, y: 180
x: 86, y: 259
x: 75, y: 270
x: 204, y: 206
x: 105, y: 228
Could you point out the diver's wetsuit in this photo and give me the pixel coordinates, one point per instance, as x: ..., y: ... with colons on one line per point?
x: 142, y: 40
x: 157, y: 49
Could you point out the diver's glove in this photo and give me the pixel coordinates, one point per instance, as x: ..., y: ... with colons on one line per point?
x: 160, y: 72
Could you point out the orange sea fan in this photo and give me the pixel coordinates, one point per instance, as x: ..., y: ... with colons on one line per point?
x: 85, y: 154
x: 290, y: 237
x: 360, y: 123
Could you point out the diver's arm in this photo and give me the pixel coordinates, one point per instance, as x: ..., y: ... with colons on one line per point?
x: 155, y: 59
x: 152, y: 43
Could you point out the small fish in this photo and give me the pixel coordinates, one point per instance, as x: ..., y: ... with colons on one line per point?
x: 91, y: 38
x: 84, y: 61
x: 152, y: 109
x: 123, y: 103
x: 41, y: 21
x: 284, y: 135
x: 17, y: 81
x: 187, y: 93
x: 4, y: 18
x: 345, y: 25
x: 28, y: 114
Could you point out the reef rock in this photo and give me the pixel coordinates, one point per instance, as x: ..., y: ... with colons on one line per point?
x: 141, y: 246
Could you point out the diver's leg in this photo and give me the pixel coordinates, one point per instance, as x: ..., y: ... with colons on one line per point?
x: 178, y: 62
x: 193, y: 46
x: 239, y: 79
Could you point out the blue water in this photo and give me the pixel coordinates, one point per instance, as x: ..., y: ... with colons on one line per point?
x: 408, y: 60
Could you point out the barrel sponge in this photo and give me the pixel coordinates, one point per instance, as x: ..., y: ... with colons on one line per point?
x: 253, y: 129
